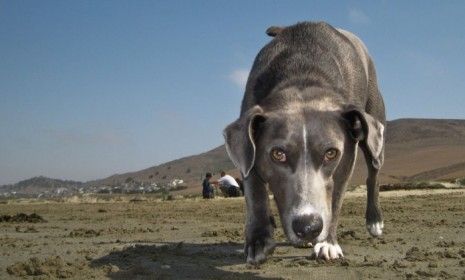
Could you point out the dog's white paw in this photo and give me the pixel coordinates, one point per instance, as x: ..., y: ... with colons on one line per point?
x: 375, y: 229
x: 327, y: 251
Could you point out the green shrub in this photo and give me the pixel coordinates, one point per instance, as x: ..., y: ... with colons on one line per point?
x: 461, y: 181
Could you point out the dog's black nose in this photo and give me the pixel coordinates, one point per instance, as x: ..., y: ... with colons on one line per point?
x: 307, y: 227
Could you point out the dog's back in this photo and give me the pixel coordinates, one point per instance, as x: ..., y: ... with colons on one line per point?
x: 315, y: 54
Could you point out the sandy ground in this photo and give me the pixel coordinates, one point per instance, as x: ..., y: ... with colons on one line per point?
x: 192, y: 238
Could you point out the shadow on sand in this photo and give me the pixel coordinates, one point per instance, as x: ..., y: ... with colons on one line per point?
x: 176, y: 261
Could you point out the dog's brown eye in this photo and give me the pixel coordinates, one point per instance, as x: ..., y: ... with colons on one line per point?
x: 278, y: 155
x: 330, y: 155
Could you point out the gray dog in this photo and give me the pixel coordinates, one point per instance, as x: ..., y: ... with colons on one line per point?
x: 311, y: 98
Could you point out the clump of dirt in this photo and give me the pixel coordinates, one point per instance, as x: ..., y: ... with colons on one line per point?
x: 415, y: 254
x: 82, y: 232
x: 462, y: 253
x: 210, y: 233
x: 22, y: 218
x: 233, y: 234
x: 51, y: 267
x: 115, y: 230
x: 433, y: 274
x: 445, y: 244
x: 28, y: 229
x: 450, y: 255
x: 348, y: 234
x: 400, y: 264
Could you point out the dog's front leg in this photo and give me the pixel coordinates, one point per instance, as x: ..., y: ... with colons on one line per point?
x: 327, y: 246
x: 259, y: 241
x: 374, y: 215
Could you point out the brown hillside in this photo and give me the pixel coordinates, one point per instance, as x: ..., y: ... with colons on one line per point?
x: 421, y: 149
x: 417, y: 149
x: 191, y: 169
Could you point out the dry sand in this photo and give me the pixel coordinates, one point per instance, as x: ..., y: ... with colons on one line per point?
x: 192, y: 238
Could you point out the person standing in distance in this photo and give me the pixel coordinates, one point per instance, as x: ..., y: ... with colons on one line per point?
x: 207, y: 188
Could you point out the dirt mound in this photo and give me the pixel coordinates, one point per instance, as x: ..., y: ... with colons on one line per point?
x: 82, y: 232
x: 22, y: 218
x: 50, y: 267
x: 86, y: 232
x: 28, y: 229
x: 231, y: 234
x: 119, y: 230
x: 412, y: 186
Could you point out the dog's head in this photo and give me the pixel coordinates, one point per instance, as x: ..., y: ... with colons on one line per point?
x: 303, y: 150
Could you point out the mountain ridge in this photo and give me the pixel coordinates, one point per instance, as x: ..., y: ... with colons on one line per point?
x: 416, y: 148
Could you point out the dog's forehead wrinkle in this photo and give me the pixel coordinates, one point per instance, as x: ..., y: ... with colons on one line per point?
x: 322, y: 105
x: 324, y: 132
x: 295, y: 99
x: 282, y: 125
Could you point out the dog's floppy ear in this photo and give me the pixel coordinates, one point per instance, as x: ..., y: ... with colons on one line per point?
x: 240, y: 142
x: 369, y: 131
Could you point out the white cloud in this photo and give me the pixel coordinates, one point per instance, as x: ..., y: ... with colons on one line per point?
x: 239, y: 77
x: 357, y: 16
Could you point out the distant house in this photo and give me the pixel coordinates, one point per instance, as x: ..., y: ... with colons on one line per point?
x: 176, y: 182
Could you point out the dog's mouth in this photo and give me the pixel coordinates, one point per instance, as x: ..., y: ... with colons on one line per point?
x: 297, y: 241
x: 301, y: 243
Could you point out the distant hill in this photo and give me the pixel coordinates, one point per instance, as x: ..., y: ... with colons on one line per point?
x: 421, y: 149
x: 191, y: 169
x: 416, y: 149
x: 42, y: 184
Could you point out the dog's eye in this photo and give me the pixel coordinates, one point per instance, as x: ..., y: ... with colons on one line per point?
x: 278, y: 155
x: 330, y: 155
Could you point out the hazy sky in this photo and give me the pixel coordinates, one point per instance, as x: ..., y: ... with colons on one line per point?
x: 92, y: 88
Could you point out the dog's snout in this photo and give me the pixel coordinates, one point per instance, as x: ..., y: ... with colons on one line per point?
x: 307, y: 227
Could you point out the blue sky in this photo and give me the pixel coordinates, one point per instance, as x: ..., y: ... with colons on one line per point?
x: 93, y: 88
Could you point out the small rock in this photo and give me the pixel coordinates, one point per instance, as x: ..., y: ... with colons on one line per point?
x: 114, y: 268
x: 399, y: 264
x: 423, y: 273
x: 462, y: 253
x: 450, y: 255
